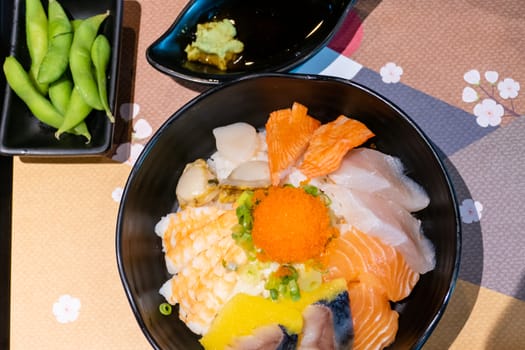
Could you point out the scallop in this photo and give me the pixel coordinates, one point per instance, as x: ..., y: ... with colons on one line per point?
x: 197, y: 184
x: 237, y: 142
x: 250, y: 174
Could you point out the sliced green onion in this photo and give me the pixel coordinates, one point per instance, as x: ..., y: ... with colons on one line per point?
x: 274, y: 294
x: 311, y: 190
x: 165, y: 309
x: 295, y: 294
x: 283, y: 283
x: 242, y: 232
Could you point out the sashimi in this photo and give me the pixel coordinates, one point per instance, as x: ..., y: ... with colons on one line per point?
x: 173, y: 227
x: 375, y: 323
x: 192, y: 231
x: 379, y: 173
x: 236, y: 142
x: 288, y: 133
x: 330, y: 143
x: 386, y: 220
x: 204, y: 285
x: 355, y: 254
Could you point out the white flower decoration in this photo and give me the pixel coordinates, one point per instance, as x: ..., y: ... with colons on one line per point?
x: 470, y: 95
x: 391, y: 73
x: 136, y: 150
x: 472, y: 77
x: 491, y: 76
x: 470, y: 211
x: 142, y: 129
x: 66, y: 308
x: 488, y: 112
x: 117, y: 194
x: 508, y: 88
x: 128, y: 111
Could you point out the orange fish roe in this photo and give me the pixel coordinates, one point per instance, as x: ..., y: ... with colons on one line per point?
x: 290, y: 225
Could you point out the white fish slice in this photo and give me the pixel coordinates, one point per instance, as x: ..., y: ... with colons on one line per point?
x: 385, y: 220
x: 375, y: 172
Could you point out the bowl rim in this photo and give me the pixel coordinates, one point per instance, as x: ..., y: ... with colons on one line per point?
x: 305, y: 77
x: 215, y: 79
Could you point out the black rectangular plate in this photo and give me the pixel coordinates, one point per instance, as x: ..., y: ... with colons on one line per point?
x: 20, y: 132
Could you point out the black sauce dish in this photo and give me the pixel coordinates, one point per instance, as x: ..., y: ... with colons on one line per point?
x: 21, y: 134
x: 149, y: 193
x: 277, y: 36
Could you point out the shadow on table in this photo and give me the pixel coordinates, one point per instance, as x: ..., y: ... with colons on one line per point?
x: 128, y: 63
x: 471, y: 268
x: 465, y: 295
x: 365, y: 7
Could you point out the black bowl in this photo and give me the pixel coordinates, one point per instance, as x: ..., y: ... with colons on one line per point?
x: 20, y: 132
x: 277, y: 36
x: 150, y: 191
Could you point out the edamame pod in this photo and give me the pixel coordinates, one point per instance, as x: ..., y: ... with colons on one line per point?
x: 36, y: 39
x: 80, y: 59
x: 21, y: 84
x: 82, y: 130
x: 42, y: 109
x: 60, y: 32
x: 60, y: 91
x: 77, y: 110
x: 100, y: 55
x: 75, y: 23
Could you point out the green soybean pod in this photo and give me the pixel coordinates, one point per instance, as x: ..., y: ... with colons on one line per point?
x: 75, y: 23
x: 60, y: 36
x: 100, y: 55
x: 77, y: 110
x: 80, y: 59
x: 21, y: 84
x: 60, y: 92
x: 82, y: 130
x: 41, y: 107
x: 36, y: 39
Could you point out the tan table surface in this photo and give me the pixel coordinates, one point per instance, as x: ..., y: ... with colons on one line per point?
x: 64, y: 211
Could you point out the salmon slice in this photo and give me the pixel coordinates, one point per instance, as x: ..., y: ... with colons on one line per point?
x: 330, y: 143
x: 356, y: 256
x: 375, y: 323
x: 288, y: 132
x: 386, y: 220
